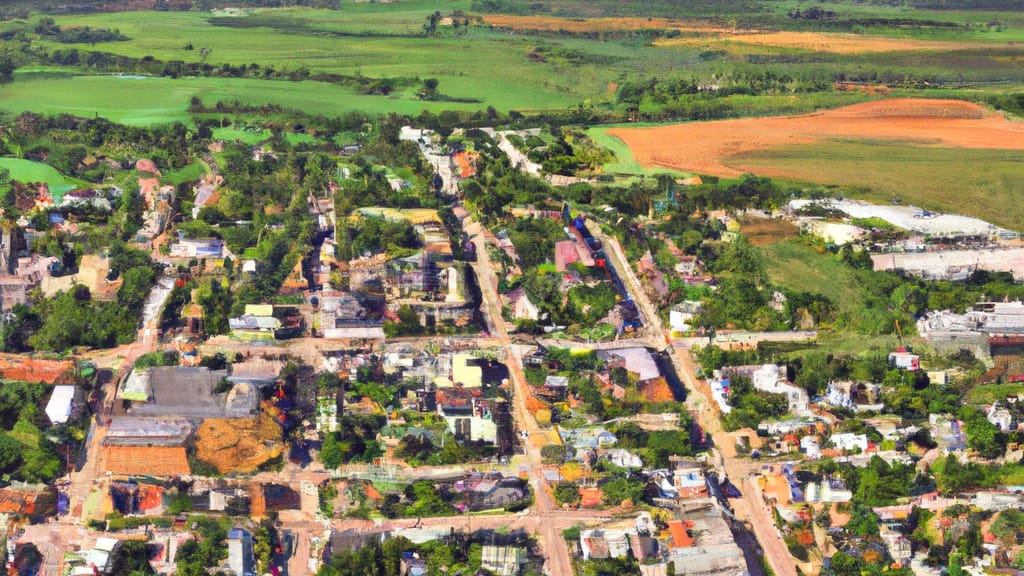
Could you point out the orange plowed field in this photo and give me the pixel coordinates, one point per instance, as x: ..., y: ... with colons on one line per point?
x: 704, y: 147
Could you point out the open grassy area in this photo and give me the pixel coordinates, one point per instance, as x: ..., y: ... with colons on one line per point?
x: 796, y: 265
x: 29, y: 171
x: 981, y: 183
x: 988, y: 393
x: 155, y: 100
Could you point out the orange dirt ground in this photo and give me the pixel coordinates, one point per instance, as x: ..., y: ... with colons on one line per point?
x: 834, y: 42
x: 238, y: 444
x: 703, y: 146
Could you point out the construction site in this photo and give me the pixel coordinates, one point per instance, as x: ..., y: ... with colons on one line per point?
x: 985, y: 326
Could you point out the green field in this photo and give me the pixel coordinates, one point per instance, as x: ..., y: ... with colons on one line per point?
x: 29, y: 171
x: 146, y: 101
x: 983, y: 183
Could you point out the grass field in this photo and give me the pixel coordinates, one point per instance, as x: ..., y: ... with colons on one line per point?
x: 798, y: 266
x: 156, y: 100
x: 29, y: 171
x: 978, y: 182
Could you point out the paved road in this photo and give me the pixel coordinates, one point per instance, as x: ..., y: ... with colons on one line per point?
x: 556, y: 551
x: 750, y: 507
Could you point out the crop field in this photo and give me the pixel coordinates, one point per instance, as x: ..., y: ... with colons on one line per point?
x: 839, y: 43
x: 942, y: 154
x: 980, y: 182
x: 706, y: 146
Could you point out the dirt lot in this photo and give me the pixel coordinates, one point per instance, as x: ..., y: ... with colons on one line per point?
x: 833, y: 42
x: 703, y: 146
x: 238, y: 444
x: 762, y: 232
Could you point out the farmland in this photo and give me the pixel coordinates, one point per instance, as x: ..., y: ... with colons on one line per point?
x: 929, y: 152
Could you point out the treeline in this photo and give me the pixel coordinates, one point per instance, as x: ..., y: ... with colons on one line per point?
x: 23, y: 9
x: 48, y: 28
x: 150, y: 66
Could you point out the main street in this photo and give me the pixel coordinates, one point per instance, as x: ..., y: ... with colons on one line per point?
x: 750, y: 507
x: 557, y: 552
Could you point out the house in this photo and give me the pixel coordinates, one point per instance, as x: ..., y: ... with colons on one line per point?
x: 948, y: 432
x: 810, y: 446
x: 904, y: 359
x: 1000, y: 417
x: 240, y: 554
x: 521, y: 306
x: 850, y: 442
x: 604, y: 543
x: 771, y: 378
x: 857, y: 396
x: 622, y: 458
x: 682, y: 314
x: 503, y: 560
x: 214, y: 248
x: 701, y: 542
x: 62, y: 403
x: 898, y: 546
x: 97, y: 560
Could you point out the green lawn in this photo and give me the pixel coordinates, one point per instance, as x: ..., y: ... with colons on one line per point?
x: 980, y: 183
x: 29, y: 171
x: 988, y: 393
x: 241, y: 134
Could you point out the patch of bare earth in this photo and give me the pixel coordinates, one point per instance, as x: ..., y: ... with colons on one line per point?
x: 703, y: 147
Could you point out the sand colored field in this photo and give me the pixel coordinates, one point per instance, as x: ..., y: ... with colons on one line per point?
x: 700, y: 32
x: 704, y: 147
x: 554, y: 24
x: 238, y: 444
x: 833, y: 42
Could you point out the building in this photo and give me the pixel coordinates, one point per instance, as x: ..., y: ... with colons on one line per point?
x: 503, y: 560
x: 856, y: 396
x: 1001, y: 417
x: 604, y: 543
x: 62, y: 403
x: 682, y: 314
x: 520, y: 305
x: 240, y: 554
x: 771, y: 378
x: 174, y: 391
x: 214, y: 248
x: 898, y: 546
x: 850, y: 442
x: 905, y: 360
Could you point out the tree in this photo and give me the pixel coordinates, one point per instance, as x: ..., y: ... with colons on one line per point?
x: 331, y: 452
x: 10, y: 453
x: 566, y: 493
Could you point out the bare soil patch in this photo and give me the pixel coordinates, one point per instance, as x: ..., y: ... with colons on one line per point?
x: 763, y: 232
x: 703, y: 147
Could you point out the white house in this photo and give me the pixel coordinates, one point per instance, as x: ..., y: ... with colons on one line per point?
x: 772, y: 379
x: 849, y: 441
x: 810, y: 446
x: 1000, y: 417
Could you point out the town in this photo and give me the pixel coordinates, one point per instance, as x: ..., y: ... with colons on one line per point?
x: 280, y: 342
